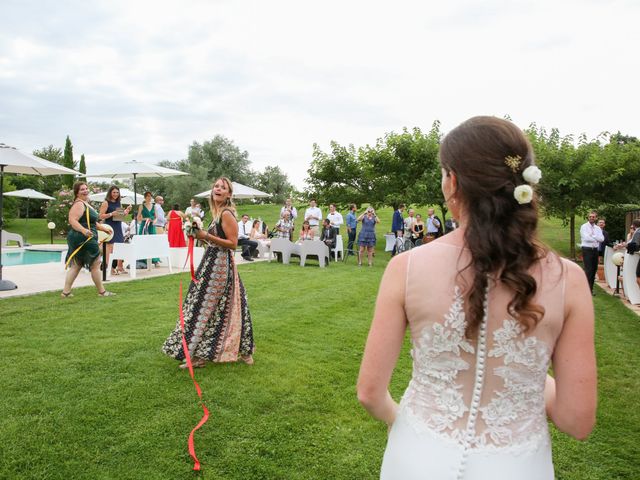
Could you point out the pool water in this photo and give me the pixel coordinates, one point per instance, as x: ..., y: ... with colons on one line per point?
x: 29, y: 257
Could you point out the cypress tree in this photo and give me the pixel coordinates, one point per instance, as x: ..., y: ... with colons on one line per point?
x: 68, y: 161
x: 83, y: 167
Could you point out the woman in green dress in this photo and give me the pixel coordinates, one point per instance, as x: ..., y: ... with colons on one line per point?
x: 147, y: 220
x: 82, y: 240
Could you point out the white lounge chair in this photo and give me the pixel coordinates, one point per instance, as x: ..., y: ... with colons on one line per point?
x: 317, y: 249
x: 11, y: 237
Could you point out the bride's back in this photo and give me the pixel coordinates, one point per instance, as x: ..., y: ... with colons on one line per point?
x: 484, y: 390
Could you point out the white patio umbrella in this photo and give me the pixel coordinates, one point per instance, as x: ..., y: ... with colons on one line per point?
x: 134, y: 169
x: 28, y: 193
x: 239, y: 191
x: 126, y: 197
x: 14, y: 161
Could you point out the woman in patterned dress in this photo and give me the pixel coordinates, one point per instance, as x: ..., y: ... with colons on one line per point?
x: 367, y: 237
x: 217, y: 321
x: 489, y: 309
x: 82, y: 240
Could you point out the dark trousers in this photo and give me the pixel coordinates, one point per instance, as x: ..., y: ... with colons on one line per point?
x: 249, y: 247
x: 352, y: 240
x: 590, y: 263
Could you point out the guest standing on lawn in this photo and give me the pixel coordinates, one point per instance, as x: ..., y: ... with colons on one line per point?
x: 174, y: 228
x: 147, y: 222
x: 109, y: 208
x: 367, y: 237
x: 82, y: 241
x: 217, y: 321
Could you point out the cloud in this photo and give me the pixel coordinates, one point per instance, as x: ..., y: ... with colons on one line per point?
x: 145, y: 79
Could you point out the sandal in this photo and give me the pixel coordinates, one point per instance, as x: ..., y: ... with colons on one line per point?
x: 248, y: 359
x: 114, y: 272
x: 66, y: 295
x: 197, y: 363
x: 106, y: 293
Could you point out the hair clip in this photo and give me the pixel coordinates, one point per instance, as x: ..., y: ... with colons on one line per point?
x: 513, y: 162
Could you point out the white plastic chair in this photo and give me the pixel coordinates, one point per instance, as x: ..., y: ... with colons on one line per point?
x: 390, y: 240
x: 318, y: 249
x: 283, y: 246
x: 339, y: 248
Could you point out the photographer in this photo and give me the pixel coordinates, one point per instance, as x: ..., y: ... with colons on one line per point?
x: 367, y: 237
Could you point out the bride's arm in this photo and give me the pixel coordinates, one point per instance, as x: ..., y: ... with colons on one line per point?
x: 384, y: 343
x: 571, y: 397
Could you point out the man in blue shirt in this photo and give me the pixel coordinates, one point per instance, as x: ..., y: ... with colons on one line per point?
x: 352, y: 225
x: 397, y: 224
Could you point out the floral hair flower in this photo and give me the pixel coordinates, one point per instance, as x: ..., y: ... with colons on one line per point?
x: 532, y: 175
x: 523, y: 194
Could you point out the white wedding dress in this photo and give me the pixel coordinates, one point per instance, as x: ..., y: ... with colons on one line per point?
x: 474, y: 409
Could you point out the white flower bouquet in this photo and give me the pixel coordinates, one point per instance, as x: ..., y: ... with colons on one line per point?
x: 192, y: 225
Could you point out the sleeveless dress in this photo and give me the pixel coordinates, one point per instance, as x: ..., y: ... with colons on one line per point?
x: 367, y: 235
x: 474, y: 408
x: 419, y: 232
x: 118, y: 237
x: 218, y: 324
x: 90, y: 250
x: 174, y: 230
x: 147, y: 214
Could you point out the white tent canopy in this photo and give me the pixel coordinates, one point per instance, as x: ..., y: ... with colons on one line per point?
x: 134, y: 169
x: 28, y: 193
x: 239, y: 191
x: 126, y: 197
x: 14, y: 161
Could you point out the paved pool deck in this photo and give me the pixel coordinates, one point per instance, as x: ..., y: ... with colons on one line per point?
x: 47, y: 277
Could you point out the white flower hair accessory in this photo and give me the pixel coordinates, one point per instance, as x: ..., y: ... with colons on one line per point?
x: 523, y: 194
x: 532, y: 175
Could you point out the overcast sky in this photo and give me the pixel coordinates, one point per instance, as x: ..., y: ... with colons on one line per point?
x: 144, y: 79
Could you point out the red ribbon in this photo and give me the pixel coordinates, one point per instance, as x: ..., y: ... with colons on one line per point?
x: 190, y: 259
x: 187, y: 356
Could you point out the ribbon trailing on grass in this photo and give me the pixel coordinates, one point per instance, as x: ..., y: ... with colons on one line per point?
x: 187, y: 356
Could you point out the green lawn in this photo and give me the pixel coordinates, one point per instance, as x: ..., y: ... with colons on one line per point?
x: 88, y: 394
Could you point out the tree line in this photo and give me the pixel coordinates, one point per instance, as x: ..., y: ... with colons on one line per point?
x: 205, y: 162
x: 578, y: 174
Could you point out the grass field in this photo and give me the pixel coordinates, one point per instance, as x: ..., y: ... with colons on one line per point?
x: 88, y: 394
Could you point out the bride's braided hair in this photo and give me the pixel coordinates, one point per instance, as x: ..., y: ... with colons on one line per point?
x: 500, y: 233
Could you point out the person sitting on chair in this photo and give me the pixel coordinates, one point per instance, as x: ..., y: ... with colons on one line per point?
x: 328, y: 234
x: 249, y: 247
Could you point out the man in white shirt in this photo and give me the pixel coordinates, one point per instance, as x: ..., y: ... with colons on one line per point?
x: 313, y: 215
x: 590, y: 239
x: 161, y: 221
x: 408, y: 224
x: 335, y: 218
x: 249, y: 247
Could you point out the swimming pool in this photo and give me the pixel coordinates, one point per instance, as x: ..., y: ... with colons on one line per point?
x: 29, y: 257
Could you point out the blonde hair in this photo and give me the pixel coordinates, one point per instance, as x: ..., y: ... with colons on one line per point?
x: 229, y: 205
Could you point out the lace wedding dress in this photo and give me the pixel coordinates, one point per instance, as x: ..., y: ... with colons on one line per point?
x: 474, y: 408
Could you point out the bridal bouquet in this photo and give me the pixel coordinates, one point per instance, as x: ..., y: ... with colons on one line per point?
x: 192, y: 225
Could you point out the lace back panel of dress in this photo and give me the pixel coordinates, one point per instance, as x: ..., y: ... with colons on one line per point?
x: 506, y: 367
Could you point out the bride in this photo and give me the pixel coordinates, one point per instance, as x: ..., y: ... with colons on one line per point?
x: 495, y: 311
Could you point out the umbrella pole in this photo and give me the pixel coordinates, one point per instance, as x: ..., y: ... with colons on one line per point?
x: 135, y: 203
x: 4, y: 284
